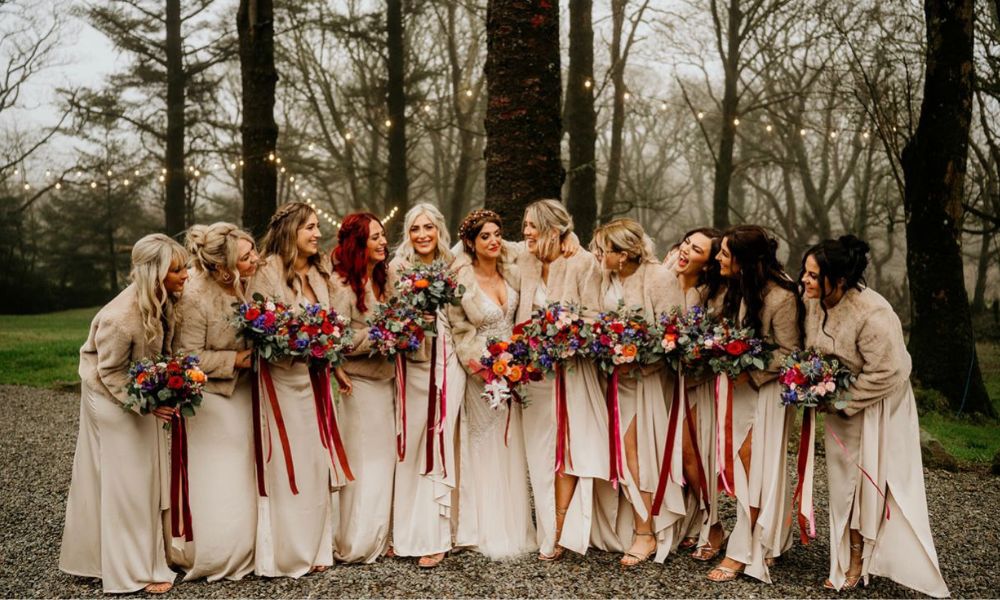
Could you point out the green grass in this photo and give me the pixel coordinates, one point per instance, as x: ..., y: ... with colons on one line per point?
x: 43, y: 350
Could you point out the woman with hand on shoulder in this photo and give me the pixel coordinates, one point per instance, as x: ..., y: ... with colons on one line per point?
x: 634, y: 279
x: 422, y: 506
x: 114, y: 516
x: 547, y: 276
x: 295, y: 519
x: 367, y: 410
x: 221, y: 474
x: 495, y: 509
x: 760, y: 296
x: 879, y: 528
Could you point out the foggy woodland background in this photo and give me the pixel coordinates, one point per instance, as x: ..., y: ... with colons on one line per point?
x: 789, y: 113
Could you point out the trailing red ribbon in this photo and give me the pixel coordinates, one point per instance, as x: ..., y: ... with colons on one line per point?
x: 264, y: 377
x: 443, y: 413
x: 180, y: 500
x: 668, y: 451
x: 401, y: 407
x: 326, y: 418
x: 614, y: 429
x: 803, y: 489
x: 693, y: 434
x: 866, y: 474
x: 562, y: 421
x: 432, y: 400
x: 724, y: 434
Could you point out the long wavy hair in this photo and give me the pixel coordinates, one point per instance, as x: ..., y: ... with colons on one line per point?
x: 710, y: 278
x: 152, y: 257
x: 350, y: 257
x: 755, y: 252
x: 845, y: 258
x: 215, y: 249
x: 405, y: 249
x: 281, y: 239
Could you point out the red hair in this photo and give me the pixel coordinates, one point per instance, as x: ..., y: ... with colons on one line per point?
x: 350, y: 257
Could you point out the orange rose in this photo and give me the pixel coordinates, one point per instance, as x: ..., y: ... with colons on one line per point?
x: 196, y: 375
x: 514, y: 374
x: 140, y: 378
x: 629, y: 351
x: 499, y: 367
x: 421, y: 284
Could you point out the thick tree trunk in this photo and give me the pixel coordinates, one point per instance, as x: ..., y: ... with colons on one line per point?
x: 255, y: 24
x: 176, y: 177
x: 398, y: 185
x: 730, y: 103
x: 617, y: 112
x: 934, y: 163
x: 581, y: 120
x: 523, y: 125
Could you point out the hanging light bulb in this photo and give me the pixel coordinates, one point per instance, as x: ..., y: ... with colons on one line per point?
x: 736, y: 122
x: 587, y: 83
x: 93, y: 184
x: 388, y: 122
x: 58, y: 186
x: 701, y: 115
x: 125, y: 183
x: 768, y: 128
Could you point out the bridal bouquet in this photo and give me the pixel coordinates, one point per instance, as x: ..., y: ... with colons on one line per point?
x: 555, y: 334
x: 508, y: 365
x: 620, y: 337
x: 395, y: 329
x: 426, y: 288
x: 264, y: 323
x: 173, y: 381
x: 809, y: 378
x: 318, y: 335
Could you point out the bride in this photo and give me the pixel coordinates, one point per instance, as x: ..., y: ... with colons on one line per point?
x: 494, y: 509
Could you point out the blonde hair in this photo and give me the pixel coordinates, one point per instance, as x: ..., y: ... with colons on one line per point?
x: 281, y: 239
x: 547, y: 216
x: 624, y: 235
x: 405, y: 250
x: 215, y: 249
x: 152, y: 257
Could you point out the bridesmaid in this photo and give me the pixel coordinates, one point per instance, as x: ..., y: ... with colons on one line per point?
x: 294, y: 530
x: 114, y: 513
x: 495, y: 508
x: 633, y: 276
x: 423, y: 508
x: 698, y: 284
x: 547, y: 276
x: 763, y: 297
x: 874, y: 529
x: 367, y: 412
x: 220, y: 437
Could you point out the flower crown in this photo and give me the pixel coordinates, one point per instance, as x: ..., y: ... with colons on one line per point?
x: 474, y: 218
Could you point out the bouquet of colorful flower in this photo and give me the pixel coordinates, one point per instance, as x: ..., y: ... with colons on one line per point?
x: 734, y: 349
x: 555, y: 334
x: 694, y: 343
x: 426, y: 288
x: 509, y: 365
x: 173, y: 381
x: 809, y: 378
x: 318, y: 334
x: 673, y: 333
x: 621, y: 337
x: 264, y: 323
x: 396, y: 328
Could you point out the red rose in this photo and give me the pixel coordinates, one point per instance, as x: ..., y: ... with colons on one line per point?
x: 327, y: 327
x: 799, y: 378
x: 737, y: 347
x: 251, y: 314
x: 496, y: 349
x: 311, y: 330
x: 173, y: 367
x: 605, y: 340
x: 175, y: 382
x: 618, y: 328
x: 269, y: 319
x: 519, y: 329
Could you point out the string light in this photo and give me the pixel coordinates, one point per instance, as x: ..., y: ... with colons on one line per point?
x: 93, y: 184
x: 736, y: 122
x: 626, y: 96
x: 388, y: 122
x: 701, y: 115
x: 27, y: 187
x: 768, y: 128
x: 587, y: 83
x: 348, y: 136
x: 468, y: 93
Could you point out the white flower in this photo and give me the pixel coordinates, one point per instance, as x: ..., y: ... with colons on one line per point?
x: 269, y: 305
x: 668, y: 345
x: 496, y: 393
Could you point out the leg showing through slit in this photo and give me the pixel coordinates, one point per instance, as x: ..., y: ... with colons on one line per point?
x: 644, y: 540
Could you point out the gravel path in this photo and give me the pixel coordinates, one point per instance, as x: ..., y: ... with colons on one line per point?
x: 36, y: 449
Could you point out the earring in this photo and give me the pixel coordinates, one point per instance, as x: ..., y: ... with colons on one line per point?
x: 621, y: 261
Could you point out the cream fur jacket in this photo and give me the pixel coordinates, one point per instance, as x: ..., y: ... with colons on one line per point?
x: 467, y: 317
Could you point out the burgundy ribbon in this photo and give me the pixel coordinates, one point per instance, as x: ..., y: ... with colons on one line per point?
x: 863, y: 471
x: 668, y: 451
x: 432, y: 400
x: 326, y: 418
x: 803, y: 492
x: 693, y: 434
x: 264, y: 377
x: 401, y: 407
x: 614, y: 429
x: 562, y: 421
x: 180, y: 500
x: 724, y: 435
